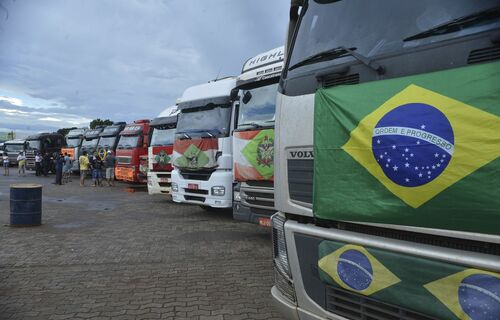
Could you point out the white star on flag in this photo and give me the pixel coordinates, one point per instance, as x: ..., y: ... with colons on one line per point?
x: 406, y: 150
x: 394, y: 146
x: 422, y: 127
x: 378, y: 141
x: 407, y: 165
x: 395, y: 168
x: 436, y: 155
x: 407, y: 180
x: 416, y: 168
x: 420, y: 175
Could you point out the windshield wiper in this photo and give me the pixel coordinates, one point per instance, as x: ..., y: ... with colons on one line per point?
x: 251, y: 124
x: 209, y: 134
x: 338, y: 52
x: 458, y: 24
x: 187, y: 136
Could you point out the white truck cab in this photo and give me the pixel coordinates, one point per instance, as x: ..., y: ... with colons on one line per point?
x: 160, y: 151
x: 203, y: 155
x: 253, y: 137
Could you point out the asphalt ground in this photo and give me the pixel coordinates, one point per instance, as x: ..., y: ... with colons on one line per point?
x: 119, y: 253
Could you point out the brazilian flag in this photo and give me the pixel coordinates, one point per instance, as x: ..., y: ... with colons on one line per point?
x: 420, y: 151
x: 442, y: 290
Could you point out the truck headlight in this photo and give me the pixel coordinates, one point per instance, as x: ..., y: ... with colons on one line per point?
x: 218, y: 191
x: 282, y: 274
x: 237, y: 196
x: 175, y: 187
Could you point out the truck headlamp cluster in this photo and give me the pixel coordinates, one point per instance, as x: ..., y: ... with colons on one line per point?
x: 175, y: 187
x: 237, y: 196
x: 218, y: 191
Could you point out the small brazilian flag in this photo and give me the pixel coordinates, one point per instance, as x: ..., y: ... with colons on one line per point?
x: 420, y: 150
x: 471, y: 294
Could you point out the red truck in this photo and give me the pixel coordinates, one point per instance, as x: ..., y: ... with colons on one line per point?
x: 133, y: 144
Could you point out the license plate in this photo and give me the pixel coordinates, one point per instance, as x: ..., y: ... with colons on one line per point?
x: 193, y: 186
x: 265, y: 222
x: 163, y: 179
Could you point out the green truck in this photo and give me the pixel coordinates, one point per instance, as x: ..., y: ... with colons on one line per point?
x: 387, y: 162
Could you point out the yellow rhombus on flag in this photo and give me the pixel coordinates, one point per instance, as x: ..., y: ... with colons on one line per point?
x: 476, y: 135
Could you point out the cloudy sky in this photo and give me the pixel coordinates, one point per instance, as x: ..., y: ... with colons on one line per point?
x: 66, y: 62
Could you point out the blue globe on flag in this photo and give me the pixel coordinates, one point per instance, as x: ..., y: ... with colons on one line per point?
x: 479, y: 297
x: 413, y: 144
x: 355, y: 270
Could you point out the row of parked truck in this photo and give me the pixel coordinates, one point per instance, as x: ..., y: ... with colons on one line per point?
x: 214, y: 148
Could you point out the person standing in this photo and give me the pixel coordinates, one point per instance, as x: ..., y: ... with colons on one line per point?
x: 5, y: 162
x: 96, y: 164
x: 46, y: 164
x: 21, y: 164
x: 59, y: 168
x: 67, y: 168
x: 38, y: 164
x: 110, y: 163
x: 84, y: 167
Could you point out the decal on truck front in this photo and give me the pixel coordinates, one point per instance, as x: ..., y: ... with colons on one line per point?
x: 254, y: 155
x: 195, y: 154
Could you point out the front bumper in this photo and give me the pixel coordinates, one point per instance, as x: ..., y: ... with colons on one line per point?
x: 255, y: 205
x: 129, y: 174
x: 202, y: 196
x: 285, y: 307
x: 246, y: 214
x: 159, y: 182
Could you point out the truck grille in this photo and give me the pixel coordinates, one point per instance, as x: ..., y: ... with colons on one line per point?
x: 193, y: 198
x: 484, y: 55
x: 300, y: 180
x: 355, y: 306
x: 124, y: 160
x: 284, y: 285
x: 258, y: 195
x: 196, y: 175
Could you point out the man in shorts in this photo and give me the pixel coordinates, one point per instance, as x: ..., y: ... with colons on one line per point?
x: 84, y: 167
x: 5, y: 162
x: 110, y: 163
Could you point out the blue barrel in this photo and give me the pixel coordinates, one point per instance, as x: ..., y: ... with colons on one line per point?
x: 25, y: 205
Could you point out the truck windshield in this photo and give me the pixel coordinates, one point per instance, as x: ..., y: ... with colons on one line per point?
x: 211, y: 121
x: 128, y: 142
x: 14, y: 147
x: 33, y: 144
x: 371, y: 28
x: 89, y: 144
x: 73, y: 142
x: 257, y: 106
x: 107, y: 142
x: 163, y: 137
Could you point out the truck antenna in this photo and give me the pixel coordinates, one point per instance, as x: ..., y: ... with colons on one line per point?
x: 218, y: 74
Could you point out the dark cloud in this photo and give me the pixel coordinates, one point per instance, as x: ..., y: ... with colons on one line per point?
x: 126, y: 60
